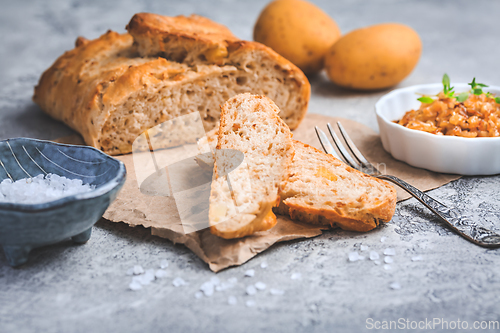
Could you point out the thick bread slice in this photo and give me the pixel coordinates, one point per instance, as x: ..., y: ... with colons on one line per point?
x: 321, y: 189
x: 241, y: 202
x: 113, y: 88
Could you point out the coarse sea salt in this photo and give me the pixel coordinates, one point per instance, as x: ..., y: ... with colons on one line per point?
x: 296, y: 276
x: 260, y: 285
x: 41, y: 189
x: 395, y: 285
x: 374, y: 255
x: 354, y: 256
x: 417, y: 258
x: 178, y: 282
x: 363, y: 248
x: 263, y: 265
x: 251, y: 290
x: 250, y: 273
x: 160, y: 274
x: 163, y: 264
x: 250, y: 303
x: 388, y: 260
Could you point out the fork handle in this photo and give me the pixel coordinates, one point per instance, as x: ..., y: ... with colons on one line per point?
x: 460, y: 224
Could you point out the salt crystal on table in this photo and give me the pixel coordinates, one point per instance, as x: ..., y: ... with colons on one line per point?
x: 138, y: 270
x: 263, y: 265
x: 374, y: 255
x: 215, y: 280
x: 382, y: 239
x: 224, y: 286
x: 163, y: 264
x: 207, y: 288
x: 135, y: 286
x: 390, y: 252
x: 251, y: 290
x: 178, y: 281
x: 160, y: 274
x: 130, y: 271
x: 276, y: 292
x: 377, y: 262
x: 150, y: 274
x: 250, y: 273
x: 417, y: 258
x: 354, y: 256
x: 232, y: 280
x: 260, y: 285
x: 387, y: 267
x: 296, y: 276
x: 364, y: 248
x: 395, y: 285
x: 388, y: 260
x: 231, y: 300
x: 198, y: 294
x: 250, y: 303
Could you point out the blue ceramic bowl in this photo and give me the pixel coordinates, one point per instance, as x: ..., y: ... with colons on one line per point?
x: 27, y: 226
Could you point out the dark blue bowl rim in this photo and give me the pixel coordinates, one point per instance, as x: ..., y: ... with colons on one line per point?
x: 117, y: 181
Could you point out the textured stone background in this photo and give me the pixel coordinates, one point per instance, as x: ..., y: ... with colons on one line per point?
x: 69, y: 288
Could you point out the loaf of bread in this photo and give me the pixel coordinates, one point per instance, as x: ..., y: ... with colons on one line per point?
x: 115, y: 87
x: 320, y: 189
x: 241, y: 201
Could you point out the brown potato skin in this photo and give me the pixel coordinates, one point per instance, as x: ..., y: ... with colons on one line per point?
x: 375, y: 57
x: 299, y: 31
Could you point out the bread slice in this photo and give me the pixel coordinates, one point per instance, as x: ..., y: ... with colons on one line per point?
x: 241, y: 202
x: 320, y: 189
x: 117, y: 86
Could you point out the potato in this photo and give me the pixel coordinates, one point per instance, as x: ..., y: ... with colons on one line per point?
x: 375, y: 57
x: 299, y: 31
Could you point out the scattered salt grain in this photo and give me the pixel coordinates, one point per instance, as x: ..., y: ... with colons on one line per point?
x: 215, y: 280
x: 390, y: 251
x: 354, y: 256
x: 250, y: 273
x: 395, y: 285
x: 388, y: 260
x: 277, y: 292
x: 250, y: 303
x: 231, y: 300
x: 387, y: 267
x: 263, y: 265
x: 138, y: 270
x: 251, y: 290
x: 130, y: 271
x: 41, y: 189
x: 260, y: 285
x: 178, y: 282
x: 374, y: 255
x: 417, y: 258
x: 296, y: 276
x: 232, y: 280
x: 382, y: 239
x: 207, y: 288
x: 134, y: 285
x: 198, y: 294
x: 224, y: 286
x: 364, y: 248
x: 163, y: 264
x: 160, y: 274
x: 377, y: 262
x: 149, y: 275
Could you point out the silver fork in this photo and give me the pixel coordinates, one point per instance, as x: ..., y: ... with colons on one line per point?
x: 453, y: 219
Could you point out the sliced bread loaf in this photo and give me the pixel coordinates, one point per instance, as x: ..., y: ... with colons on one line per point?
x: 117, y: 86
x: 241, y: 201
x: 320, y: 189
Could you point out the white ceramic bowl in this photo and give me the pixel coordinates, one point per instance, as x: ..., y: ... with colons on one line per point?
x: 447, y: 154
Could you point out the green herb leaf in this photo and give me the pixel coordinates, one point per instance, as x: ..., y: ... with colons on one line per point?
x: 446, y: 82
x: 473, y: 83
x: 425, y: 99
x: 463, y: 97
x: 497, y: 99
x: 482, y: 85
x: 477, y: 91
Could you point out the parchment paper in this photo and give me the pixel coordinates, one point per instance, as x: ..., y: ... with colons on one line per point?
x: 161, y: 215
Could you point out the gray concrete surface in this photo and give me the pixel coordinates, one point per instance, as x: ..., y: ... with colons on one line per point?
x: 69, y: 288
